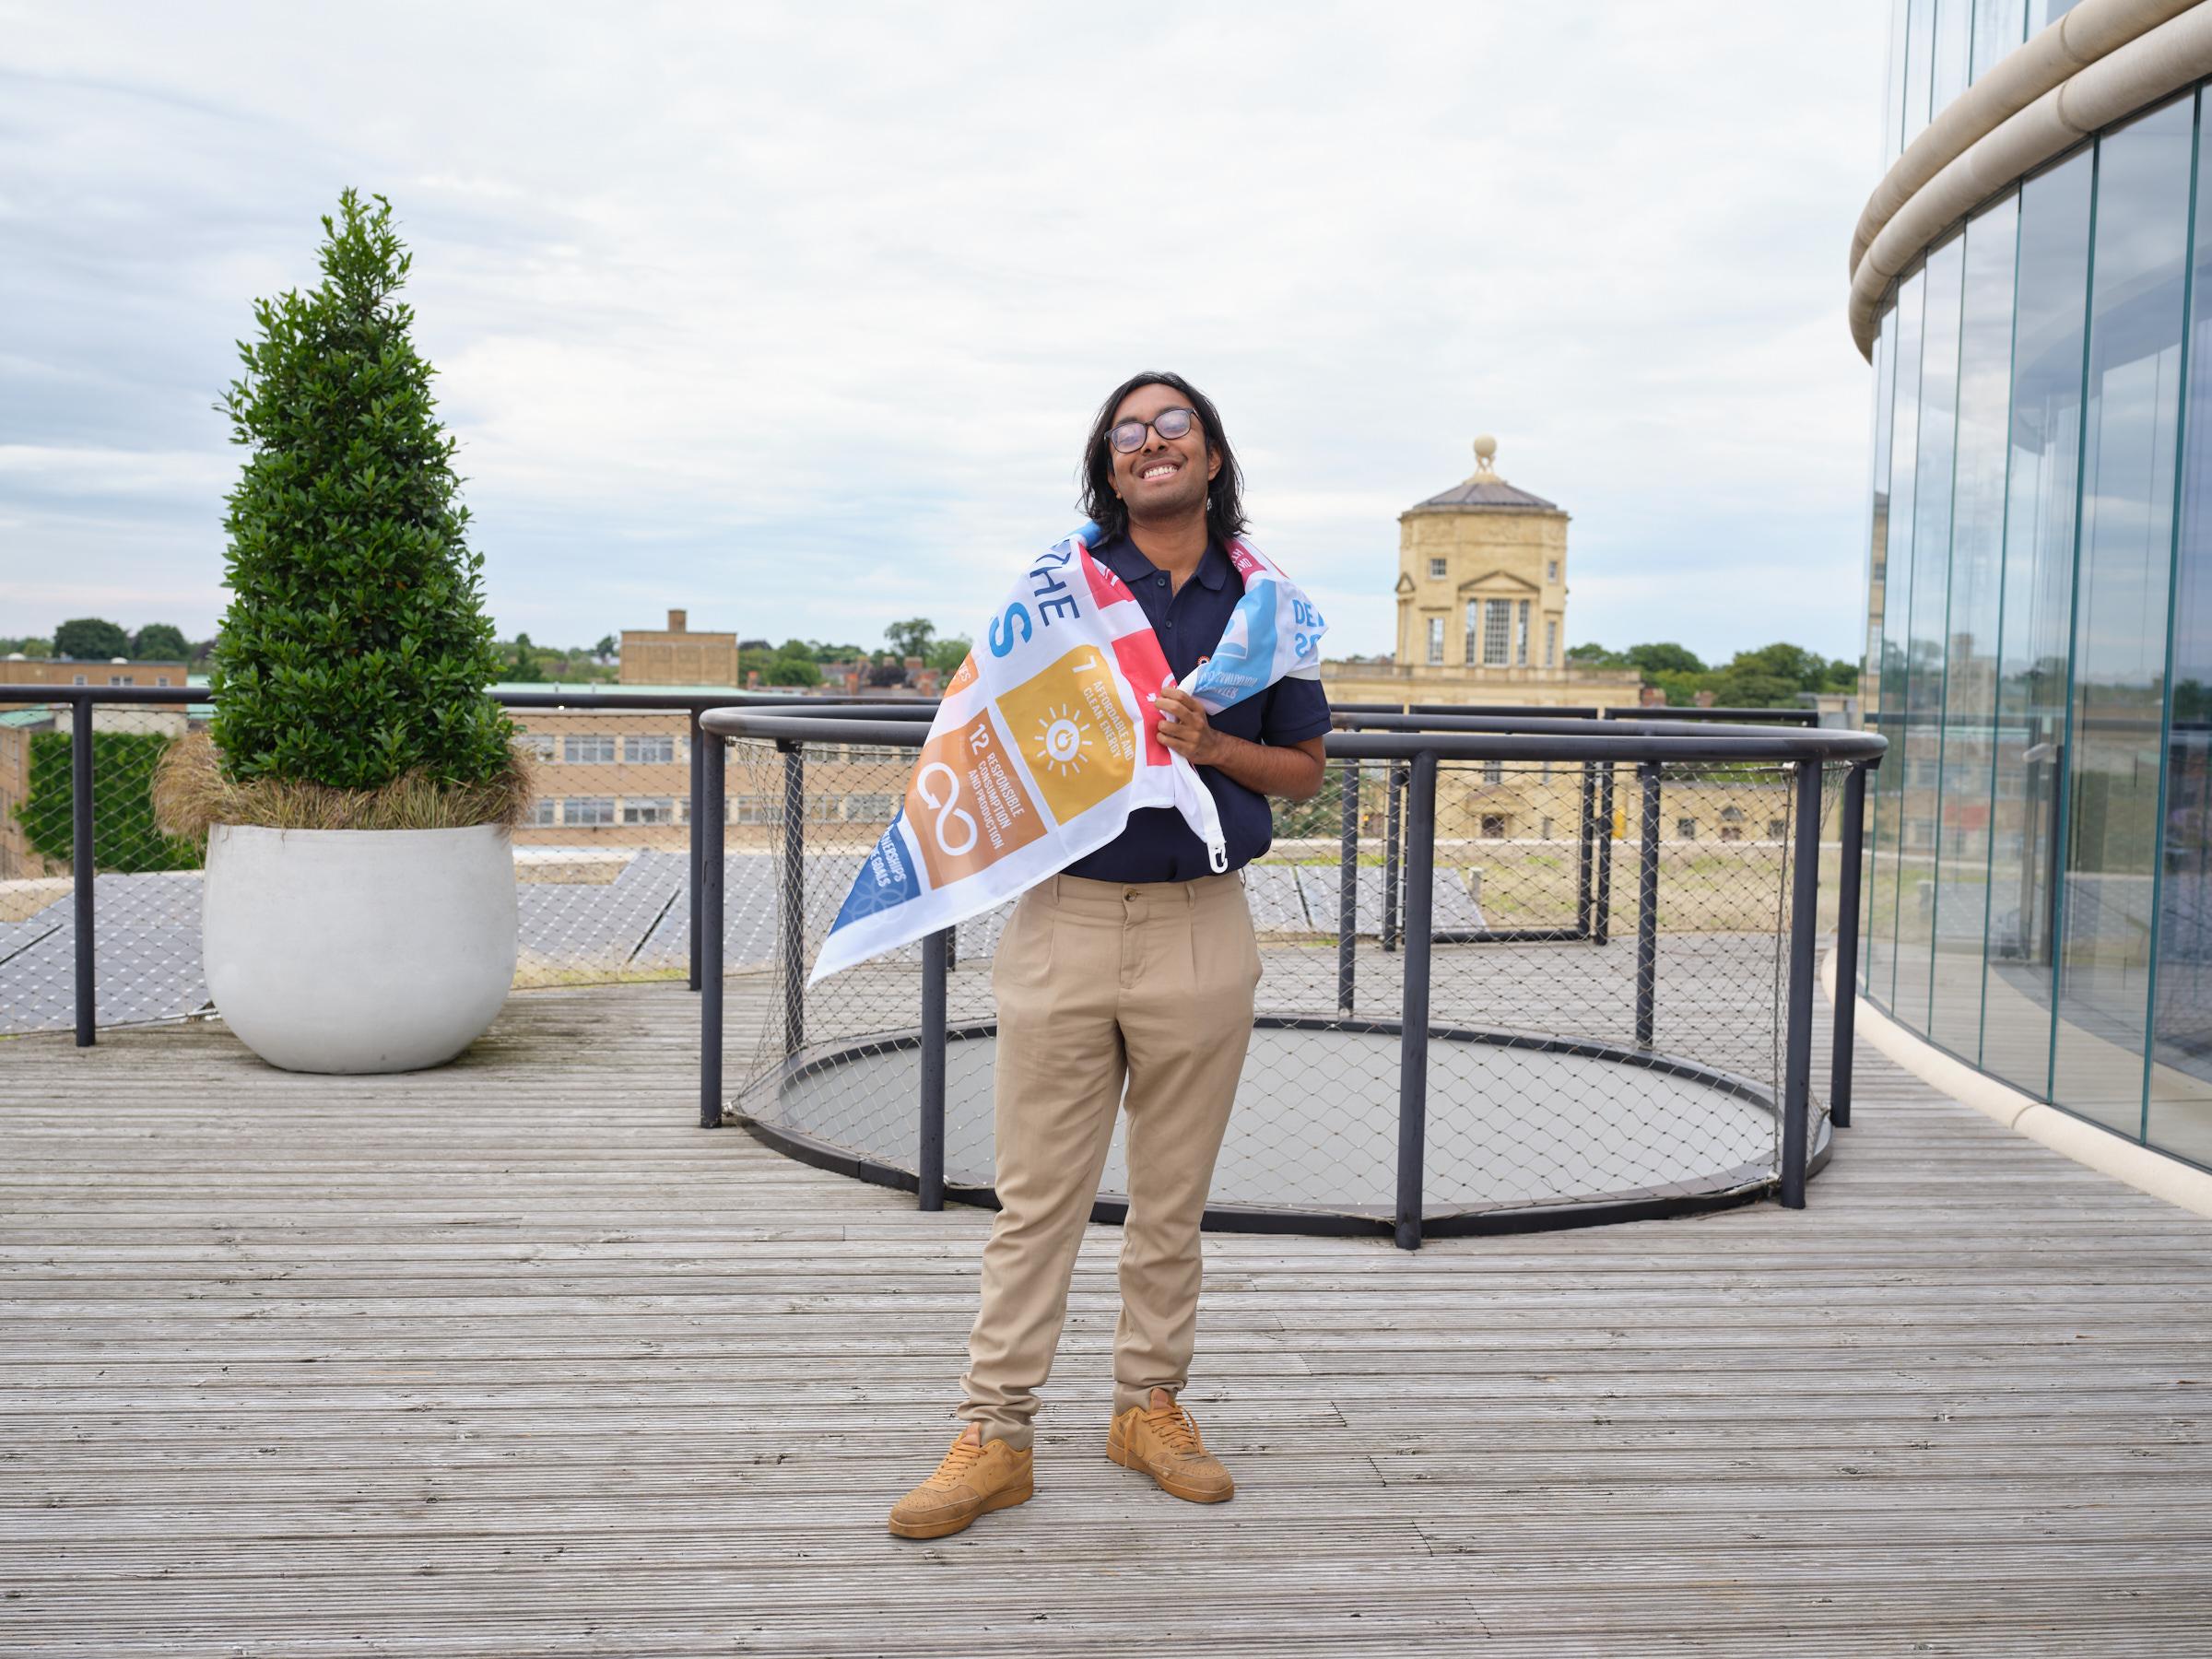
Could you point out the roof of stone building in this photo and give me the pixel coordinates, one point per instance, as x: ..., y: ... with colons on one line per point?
x: 1486, y: 490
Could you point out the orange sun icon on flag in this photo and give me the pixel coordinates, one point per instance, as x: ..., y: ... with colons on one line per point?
x: 1063, y: 740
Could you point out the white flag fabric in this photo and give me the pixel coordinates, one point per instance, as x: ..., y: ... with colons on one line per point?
x: 1274, y: 633
x: 1047, y: 739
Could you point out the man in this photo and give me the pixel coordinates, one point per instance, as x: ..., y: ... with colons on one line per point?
x: 1136, y: 965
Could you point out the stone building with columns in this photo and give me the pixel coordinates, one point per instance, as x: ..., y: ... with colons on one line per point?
x: 1482, y: 606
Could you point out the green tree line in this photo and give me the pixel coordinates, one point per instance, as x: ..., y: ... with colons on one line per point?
x: 799, y: 662
x: 1768, y: 677
x: 95, y: 639
x: 523, y: 661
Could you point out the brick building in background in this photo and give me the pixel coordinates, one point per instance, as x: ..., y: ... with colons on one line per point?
x: 18, y: 669
x: 675, y: 656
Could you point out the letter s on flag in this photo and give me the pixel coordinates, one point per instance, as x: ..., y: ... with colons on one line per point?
x: 1002, y: 629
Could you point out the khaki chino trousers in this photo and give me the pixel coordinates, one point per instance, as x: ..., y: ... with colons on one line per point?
x: 1102, y: 984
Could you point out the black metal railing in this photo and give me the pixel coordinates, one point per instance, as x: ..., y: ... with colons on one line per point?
x: 1409, y: 750
x: 83, y: 859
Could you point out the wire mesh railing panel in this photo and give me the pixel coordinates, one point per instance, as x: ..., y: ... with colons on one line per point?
x: 147, y: 884
x: 848, y: 1049
x: 602, y: 861
x: 1636, y: 1061
x: 1722, y: 895
x: 1314, y: 1126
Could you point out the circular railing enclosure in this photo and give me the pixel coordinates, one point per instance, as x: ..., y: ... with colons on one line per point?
x: 1518, y: 972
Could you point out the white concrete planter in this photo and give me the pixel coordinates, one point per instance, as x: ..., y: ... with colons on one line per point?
x: 358, y: 950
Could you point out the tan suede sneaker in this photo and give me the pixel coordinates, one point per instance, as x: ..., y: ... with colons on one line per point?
x: 1164, y: 1442
x: 972, y: 1481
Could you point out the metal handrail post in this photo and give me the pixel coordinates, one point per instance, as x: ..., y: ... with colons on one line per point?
x: 795, y: 896
x: 1647, y: 909
x: 706, y: 933
x: 930, y: 1160
x: 1348, y: 877
x: 83, y: 865
x: 697, y: 766
x: 1585, y: 867
x: 1798, y: 1064
x: 1394, y: 827
x: 1413, y: 1015
x: 1601, y: 919
x: 1847, y: 947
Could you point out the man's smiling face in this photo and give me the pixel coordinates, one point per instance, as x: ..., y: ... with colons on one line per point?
x: 1162, y: 478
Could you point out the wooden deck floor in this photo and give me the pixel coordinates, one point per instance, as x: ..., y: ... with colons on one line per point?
x: 511, y: 1358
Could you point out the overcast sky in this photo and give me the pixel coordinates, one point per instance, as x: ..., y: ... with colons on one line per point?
x: 795, y: 316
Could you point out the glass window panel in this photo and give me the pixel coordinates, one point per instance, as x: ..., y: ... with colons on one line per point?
x: 1954, y: 33
x: 1999, y: 26
x: 2131, y: 428
x: 1917, y: 750
x: 1497, y: 630
x: 1970, y: 683
x: 1904, y: 442
x: 1919, y: 77
x: 2042, y: 469
x: 1893, y: 85
x: 2047, y: 12
x: 1870, y: 664
x: 2179, y: 1117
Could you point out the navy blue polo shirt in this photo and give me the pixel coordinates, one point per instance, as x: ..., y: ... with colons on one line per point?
x: 1158, y: 845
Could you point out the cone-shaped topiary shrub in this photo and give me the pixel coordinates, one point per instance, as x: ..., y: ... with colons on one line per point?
x: 356, y: 651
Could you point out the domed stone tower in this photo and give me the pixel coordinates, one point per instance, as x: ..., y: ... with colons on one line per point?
x: 1482, y: 607
x: 1482, y: 580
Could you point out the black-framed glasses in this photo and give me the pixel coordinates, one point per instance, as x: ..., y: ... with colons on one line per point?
x: 1128, y: 436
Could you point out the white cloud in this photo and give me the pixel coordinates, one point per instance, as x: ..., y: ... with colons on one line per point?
x: 800, y: 323
x: 52, y: 469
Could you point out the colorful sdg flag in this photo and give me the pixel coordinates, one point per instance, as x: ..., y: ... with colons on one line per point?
x: 1047, y: 740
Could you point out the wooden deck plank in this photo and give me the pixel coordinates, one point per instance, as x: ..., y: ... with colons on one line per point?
x: 511, y: 1358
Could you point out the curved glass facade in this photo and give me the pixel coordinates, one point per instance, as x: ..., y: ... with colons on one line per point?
x: 2039, y: 881
x: 1938, y: 48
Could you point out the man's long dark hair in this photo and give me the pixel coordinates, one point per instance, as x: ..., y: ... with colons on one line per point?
x: 1224, y: 495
